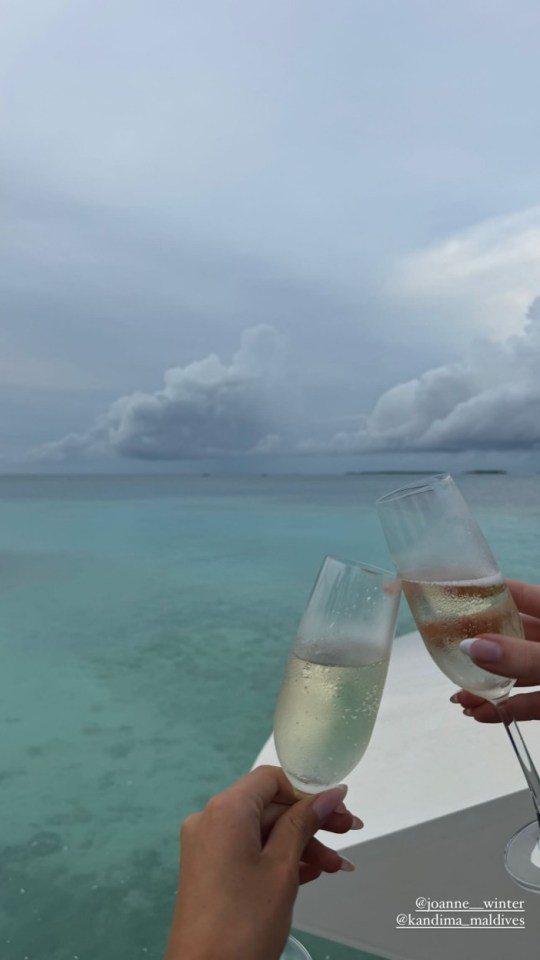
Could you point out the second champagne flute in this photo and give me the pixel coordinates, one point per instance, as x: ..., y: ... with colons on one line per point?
x: 456, y: 591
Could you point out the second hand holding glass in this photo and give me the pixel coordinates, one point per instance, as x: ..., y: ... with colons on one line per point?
x: 335, y: 676
x: 456, y: 591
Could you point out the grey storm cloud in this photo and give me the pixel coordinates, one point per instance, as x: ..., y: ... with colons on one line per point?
x: 489, y: 400
x: 206, y: 408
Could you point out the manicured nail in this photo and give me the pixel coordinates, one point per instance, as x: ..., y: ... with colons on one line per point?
x: 454, y: 698
x: 326, y: 802
x: 356, y: 824
x: 347, y: 865
x: 487, y: 650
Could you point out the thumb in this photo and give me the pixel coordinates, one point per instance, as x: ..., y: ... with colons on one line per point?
x: 295, y: 828
x: 506, y: 656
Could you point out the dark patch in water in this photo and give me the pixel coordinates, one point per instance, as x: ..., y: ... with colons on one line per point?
x: 92, y: 730
x: 41, y: 844
x: 128, y: 814
x: 86, y: 844
x: 6, y: 775
x: 71, y: 817
x: 119, y: 750
x: 45, y: 842
x: 107, y: 780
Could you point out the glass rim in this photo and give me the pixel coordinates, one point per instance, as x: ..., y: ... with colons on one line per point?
x: 299, y: 946
x: 367, y: 567
x: 412, y: 488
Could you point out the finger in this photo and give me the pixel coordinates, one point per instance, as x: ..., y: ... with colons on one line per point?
x: 470, y: 700
x: 467, y: 699
x: 505, y: 656
x: 237, y: 811
x: 485, y: 713
x: 476, y: 707
x: 525, y: 706
x: 308, y: 872
x: 270, y: 816
x: 526, y: 596
x: 254, y: 792
x: 329, y: 861
x: 338, y: 822
x: 342, y: 822
x: 295, y: 828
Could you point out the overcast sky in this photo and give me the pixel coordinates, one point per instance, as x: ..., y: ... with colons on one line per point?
x: 255, y: 231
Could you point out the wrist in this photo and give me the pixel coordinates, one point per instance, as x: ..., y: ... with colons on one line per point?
x: 231, y: 942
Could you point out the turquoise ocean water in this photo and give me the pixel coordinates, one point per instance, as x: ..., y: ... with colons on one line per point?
x: 145, y: 623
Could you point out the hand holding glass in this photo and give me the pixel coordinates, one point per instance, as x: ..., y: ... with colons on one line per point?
x: 335, y: 675
x: 456, y: 591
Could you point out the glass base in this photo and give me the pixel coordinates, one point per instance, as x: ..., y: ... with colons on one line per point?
x: 295, y: 951
x: 522, y: 857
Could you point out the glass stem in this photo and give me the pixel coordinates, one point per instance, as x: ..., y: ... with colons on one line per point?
x: 530, y: 772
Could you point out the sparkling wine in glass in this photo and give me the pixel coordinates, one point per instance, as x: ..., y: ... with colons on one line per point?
x: 456, y: 591
x: 335, y: 675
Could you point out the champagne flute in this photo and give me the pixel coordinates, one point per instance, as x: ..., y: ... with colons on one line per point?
x: 456, y: 591
x: 334, y: 679
x: 335, y: 676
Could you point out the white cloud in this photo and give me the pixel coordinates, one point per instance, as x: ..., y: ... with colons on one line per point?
x: 489, y: 273
x: 489, y: 400
x: 207, y: 408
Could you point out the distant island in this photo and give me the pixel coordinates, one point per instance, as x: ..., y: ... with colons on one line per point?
x: 390, y: 473
x: 418, y: 473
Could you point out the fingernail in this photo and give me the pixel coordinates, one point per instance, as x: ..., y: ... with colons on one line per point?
x: 356, y: 824
x: 467, y: 712
x: 347, y: 865
x: 487, y: 650
x: 326, y: 802
x: 454, y: 698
